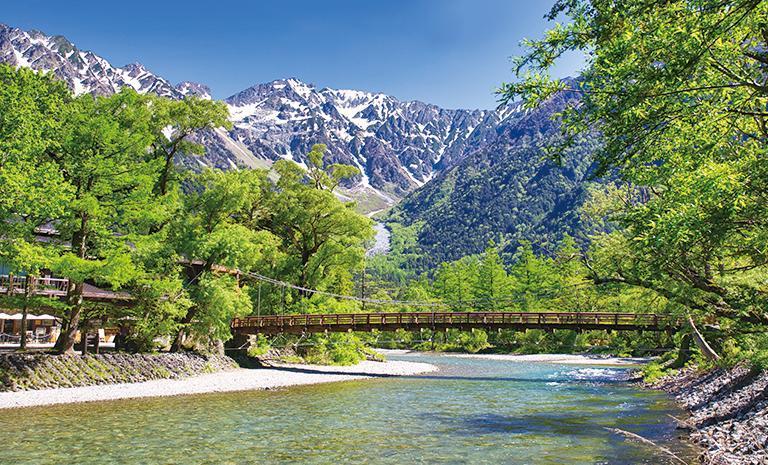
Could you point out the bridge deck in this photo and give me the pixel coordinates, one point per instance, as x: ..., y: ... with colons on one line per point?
x: 343, y: 322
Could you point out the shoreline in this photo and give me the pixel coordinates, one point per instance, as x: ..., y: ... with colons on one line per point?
x: 564, y: 359
x: 728, y: 412
x: 232, y: 380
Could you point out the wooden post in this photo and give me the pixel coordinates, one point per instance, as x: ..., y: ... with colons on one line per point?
x: 362, y: 287
x: 84, y: 338
x: 28, y: 289
x: 432, y: 333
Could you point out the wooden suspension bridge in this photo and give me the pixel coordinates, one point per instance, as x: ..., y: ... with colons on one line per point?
x: 56, y: 288
x: 414, y: 321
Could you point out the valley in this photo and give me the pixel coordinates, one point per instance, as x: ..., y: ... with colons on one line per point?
x: 456, y: 170
x: 569, y: 266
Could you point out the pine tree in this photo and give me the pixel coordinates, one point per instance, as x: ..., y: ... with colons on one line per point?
x: 492, y: 288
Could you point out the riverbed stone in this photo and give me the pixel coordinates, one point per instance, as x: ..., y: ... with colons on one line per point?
x: 729, y: 412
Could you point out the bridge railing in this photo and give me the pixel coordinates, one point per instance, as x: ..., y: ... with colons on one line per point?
x: 12, y: 284
x: 449, y: 318
x: 51, y: 286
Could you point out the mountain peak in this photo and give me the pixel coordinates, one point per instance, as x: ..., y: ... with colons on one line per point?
x: 194, y: 88
x: 300, y: 87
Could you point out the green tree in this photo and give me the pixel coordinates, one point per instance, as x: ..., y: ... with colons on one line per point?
x: 327, y: 177
x: 322, y: 235
x: 456, y: 283
x: 102, y: 156
x: 219, y: 228
x: 174, y: 123
x: 32, y: 190
x: 534, y: 279
x: 31, y: 114
x: 492, y: 289
x: 571, y: 288
x: 676, y: 91
x: 161, y: 296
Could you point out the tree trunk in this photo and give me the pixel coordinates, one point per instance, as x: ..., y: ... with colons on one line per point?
x: 69, y: 328
x: 178, y: 341
x: 84, y: 339
x: 682, y: 354
x: 165, y: 175
x: 304, y: 277
x: 71, y: 325
x: 23, y: 335
x: 193, y: 277
x: 706, y: 350
x: 28, y: 290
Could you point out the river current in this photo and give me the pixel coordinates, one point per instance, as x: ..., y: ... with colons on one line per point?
x: 472, y: 411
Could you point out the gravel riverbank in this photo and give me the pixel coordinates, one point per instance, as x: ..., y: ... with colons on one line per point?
x: 238, y: 379
x: 729, y: 412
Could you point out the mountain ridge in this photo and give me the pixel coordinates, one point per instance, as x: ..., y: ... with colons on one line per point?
x: 444, y: 164
x: 397, y: 145
x: 505, y: 193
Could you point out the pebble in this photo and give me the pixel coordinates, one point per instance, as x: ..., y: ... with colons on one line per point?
x: 239, y: 379
x: 729, y: 412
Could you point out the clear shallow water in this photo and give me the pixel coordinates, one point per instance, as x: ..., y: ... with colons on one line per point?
x: 471, y: 412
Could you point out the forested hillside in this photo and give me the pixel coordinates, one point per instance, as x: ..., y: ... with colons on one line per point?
x: 506, y: 192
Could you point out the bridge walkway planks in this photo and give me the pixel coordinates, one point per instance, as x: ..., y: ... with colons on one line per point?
x: 343, y: 322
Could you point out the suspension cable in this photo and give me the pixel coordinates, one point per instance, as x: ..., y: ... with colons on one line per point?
x: 411, y: 303
x: 284, y: 285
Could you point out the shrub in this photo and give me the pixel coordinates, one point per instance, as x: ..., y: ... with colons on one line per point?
x: 258, y: 345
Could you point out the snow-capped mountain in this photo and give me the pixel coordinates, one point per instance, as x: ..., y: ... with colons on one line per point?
x: 84, y: 71
x: 398, y: 146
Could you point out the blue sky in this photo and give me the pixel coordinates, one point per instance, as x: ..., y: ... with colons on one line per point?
x: 449, y: 52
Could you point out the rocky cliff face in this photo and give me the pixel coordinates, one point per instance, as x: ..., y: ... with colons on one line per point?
x: 397, y: 146
x: 84, y: 71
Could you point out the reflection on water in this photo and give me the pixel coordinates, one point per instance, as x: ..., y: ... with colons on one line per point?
x: 471, y: 412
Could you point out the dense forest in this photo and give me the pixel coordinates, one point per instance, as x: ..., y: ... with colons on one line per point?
x: 507, y: 192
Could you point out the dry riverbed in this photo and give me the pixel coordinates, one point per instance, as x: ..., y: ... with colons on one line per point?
x: 238, y: 379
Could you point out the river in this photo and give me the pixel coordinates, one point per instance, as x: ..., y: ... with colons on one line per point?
x: 380, y: 241
x: 470, y: 412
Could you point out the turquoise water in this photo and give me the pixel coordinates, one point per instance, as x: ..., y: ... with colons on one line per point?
x: 471, y: 412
